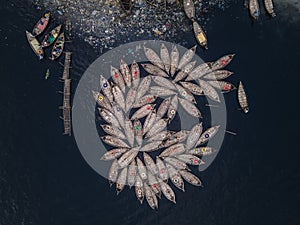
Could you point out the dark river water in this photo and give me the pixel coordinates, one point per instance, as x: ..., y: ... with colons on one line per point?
x: 253, y: 180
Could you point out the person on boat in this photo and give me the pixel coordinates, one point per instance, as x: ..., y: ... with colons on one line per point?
x: 57, y: 50
x: 255, y: 13
x: 50, y: 38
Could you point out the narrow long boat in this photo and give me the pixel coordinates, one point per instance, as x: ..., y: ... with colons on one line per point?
x: 35, y: 45
x: 200, y: 35
x: 269, y: 7
x: 41, y: 24
x: 51, y: 37
x: 58, y: 47
x: 189, y: 8
x: 242, y: 97
x: 254, y: 9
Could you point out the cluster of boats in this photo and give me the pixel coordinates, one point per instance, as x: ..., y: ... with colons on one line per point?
x: 254, y: 8
x: 189, y: 9
x: 136, y: 125
x: 54, y: 36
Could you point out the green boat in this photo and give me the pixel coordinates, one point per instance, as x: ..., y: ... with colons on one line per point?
x: 47, y: 74
x: 51, y: 37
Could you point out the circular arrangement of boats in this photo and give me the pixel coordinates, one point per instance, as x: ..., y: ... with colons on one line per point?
x: 136, y: 125
x: 136, y: 110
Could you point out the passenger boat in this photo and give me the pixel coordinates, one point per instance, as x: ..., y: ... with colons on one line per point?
x: 254, y: 9
x: 269, y: 7
x: 35, y: 45
x: 41, y: 25
x: 58, y: 47
x: 51, y: 37
x: 200, y: 35
x: 242, y: 97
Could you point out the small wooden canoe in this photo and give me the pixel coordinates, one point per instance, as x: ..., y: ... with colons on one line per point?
x: 200, y: 35
x: 269, y: 7
x: 41, y: 24
x: 35, y: 45
x: 242, y: 98
x: 58, y: 47
x: 51, y: 37
x: 254, y: 9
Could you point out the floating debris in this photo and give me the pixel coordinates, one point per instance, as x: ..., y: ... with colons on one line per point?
x: 103, y: 24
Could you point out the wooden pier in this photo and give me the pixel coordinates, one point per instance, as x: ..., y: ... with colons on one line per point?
x: 66, y: 107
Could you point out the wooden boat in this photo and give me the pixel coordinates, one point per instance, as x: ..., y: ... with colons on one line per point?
x: 222, y: 85
x: 222, y: 62
x: 242, y: 97
x: 269, y: 7
x: 58, y: 47
x: 200, y: 35
x: 121, y: 181
x: 35, y: 45
x: 51, y: 37
x: 41, y: 24
x: 132, y: 171
x: 139, y: 189
x: 175, y: 177
x: 207, y: 135
x: 209, y: 91
x: 165, y: 57
x: 153, y: 183
x: 113, y: 172
x: 189, y: 8
x: 187, y: 57
x: 254, y: 9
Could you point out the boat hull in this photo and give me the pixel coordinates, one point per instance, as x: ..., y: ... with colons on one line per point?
x: 254, y: 9
x: 35, y: 45
x: 58, y: 47
x: 41, y: 25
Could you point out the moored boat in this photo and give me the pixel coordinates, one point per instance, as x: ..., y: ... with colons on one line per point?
x: 242, y: 97
x: 51, y: 37
x: 189, y: 8
x: 35, y: 45
x: 269, y: 7
x: 41, y: 24
x: 58, y: 47
x: 254, y: 9
x: 200, y: 35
